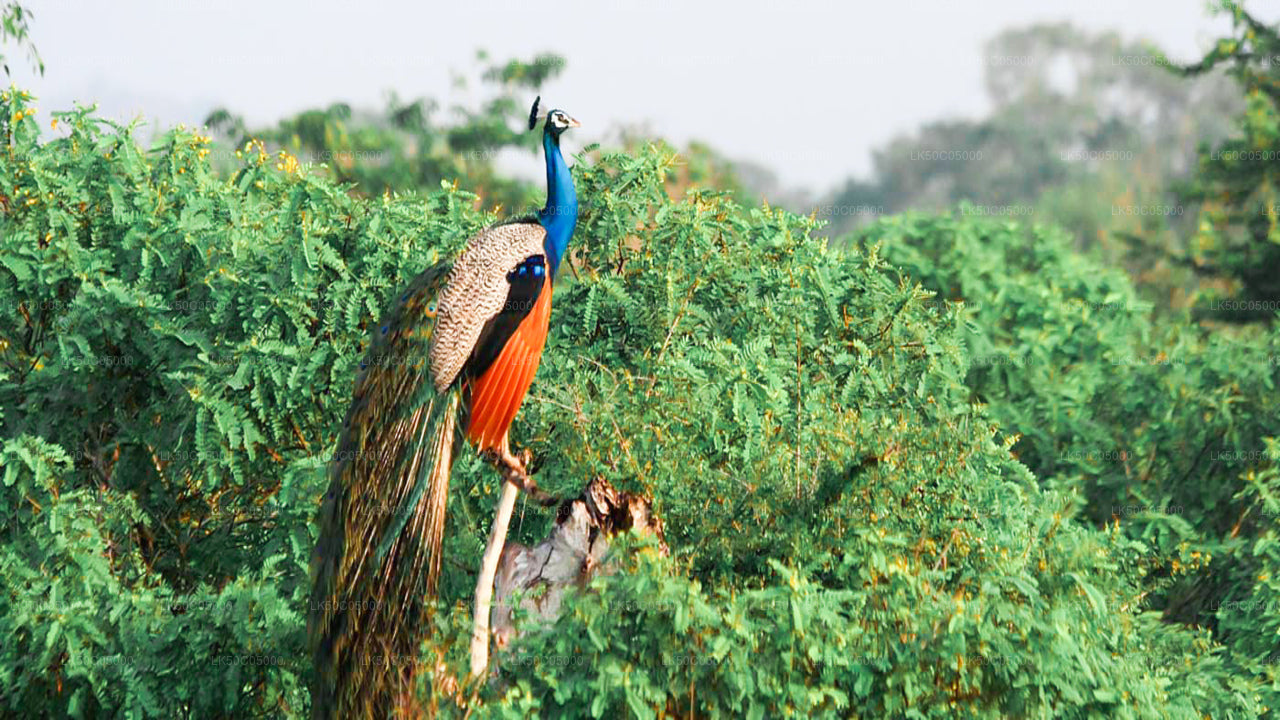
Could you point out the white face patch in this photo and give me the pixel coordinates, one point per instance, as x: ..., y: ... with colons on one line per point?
x: 560, y: 120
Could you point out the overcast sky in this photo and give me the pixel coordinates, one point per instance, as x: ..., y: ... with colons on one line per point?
x: 808, y: 88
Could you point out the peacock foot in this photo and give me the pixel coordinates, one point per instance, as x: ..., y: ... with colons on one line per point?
x: 510, y: 464
x: 514, y: 469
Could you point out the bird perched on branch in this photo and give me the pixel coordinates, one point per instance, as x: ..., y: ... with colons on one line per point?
x: 453, y: 358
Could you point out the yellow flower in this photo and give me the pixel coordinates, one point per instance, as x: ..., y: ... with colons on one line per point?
x: 288, y: 164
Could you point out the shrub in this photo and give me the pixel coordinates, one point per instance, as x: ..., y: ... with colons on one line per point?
x: 851, y: 534
x: 1163, y: 426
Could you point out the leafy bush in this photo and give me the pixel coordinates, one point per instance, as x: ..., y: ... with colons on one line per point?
x: 851, y: 534
x: 1165, y: 428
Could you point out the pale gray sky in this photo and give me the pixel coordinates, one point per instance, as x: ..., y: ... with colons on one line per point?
x: 808, y: 88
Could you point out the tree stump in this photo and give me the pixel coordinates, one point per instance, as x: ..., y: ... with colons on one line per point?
x: 571, y: 555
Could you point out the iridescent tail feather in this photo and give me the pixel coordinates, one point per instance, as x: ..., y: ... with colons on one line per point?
x: 377, y: 561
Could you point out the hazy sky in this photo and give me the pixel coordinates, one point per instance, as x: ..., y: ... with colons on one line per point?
x: 808, y: 88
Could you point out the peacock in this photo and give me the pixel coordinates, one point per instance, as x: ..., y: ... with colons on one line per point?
x: 452, y: 359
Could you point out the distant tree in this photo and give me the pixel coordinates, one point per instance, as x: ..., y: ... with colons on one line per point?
x: 1070, y: 108
x: 406, y: 146
x: 1238, y: 234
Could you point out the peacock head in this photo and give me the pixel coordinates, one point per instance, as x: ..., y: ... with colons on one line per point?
x: 557, y: 120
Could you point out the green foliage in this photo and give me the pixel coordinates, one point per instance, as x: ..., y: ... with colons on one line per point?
x: 1048, y: 327
x: 1165, y: 429
x: 851, y: 535
x: 1238, y: 236
x: 888, y: 642
x: 183, y: 345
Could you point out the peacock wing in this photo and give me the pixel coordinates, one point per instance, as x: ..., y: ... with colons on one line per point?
x: 478, y: 290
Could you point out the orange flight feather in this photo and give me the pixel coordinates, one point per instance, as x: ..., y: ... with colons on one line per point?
x: 498, y: 393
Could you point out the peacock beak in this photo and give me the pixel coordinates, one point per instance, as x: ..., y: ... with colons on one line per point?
x: 574, y: 123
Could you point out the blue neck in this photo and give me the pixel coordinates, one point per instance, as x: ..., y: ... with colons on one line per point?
x: 561, y: 212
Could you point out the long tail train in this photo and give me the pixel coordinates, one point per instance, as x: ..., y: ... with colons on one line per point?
x: 382, y: 520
